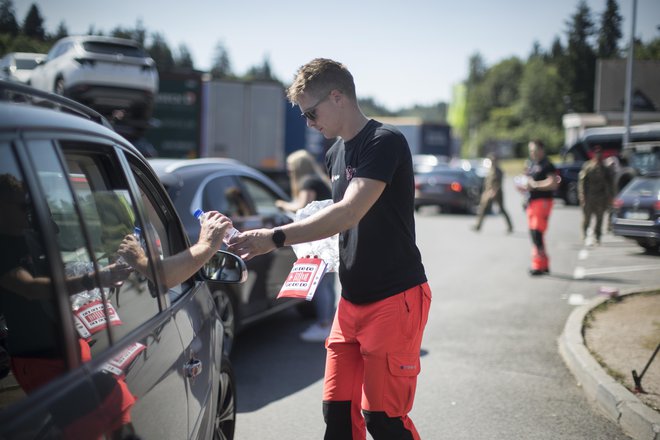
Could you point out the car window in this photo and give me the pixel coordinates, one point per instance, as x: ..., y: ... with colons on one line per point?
x: 113, y: 49
x: 224, y: 194
x: 262, y: 196
x: 32, y: 352
x: 108, y: 214
x: 643, y: 188
x: 166, y: 234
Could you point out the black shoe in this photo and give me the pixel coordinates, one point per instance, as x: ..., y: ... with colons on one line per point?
x: 538, y: 272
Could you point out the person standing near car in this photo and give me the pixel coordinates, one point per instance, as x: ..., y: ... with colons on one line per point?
x: 309, y: 183
x: 541, y: 183
x: 373, y: 351
x: 492, y: 193
x: 595, y: 192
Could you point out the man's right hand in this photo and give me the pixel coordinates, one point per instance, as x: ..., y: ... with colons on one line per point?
x: 252, y: 243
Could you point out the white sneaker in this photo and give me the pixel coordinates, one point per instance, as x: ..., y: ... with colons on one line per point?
x: 315, y: 333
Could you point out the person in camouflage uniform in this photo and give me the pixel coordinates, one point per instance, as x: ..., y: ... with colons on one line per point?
x: 595, y: 192
x: 492, y: 193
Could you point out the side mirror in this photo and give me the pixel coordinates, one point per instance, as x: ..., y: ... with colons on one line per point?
x: 225, y: 267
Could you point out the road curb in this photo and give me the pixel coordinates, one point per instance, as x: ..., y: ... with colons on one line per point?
x: 610, y: 397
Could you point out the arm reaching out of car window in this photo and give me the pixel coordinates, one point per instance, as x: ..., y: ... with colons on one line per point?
x: 178, y: 268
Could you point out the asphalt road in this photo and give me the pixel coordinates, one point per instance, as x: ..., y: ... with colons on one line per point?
x: 490, y: 364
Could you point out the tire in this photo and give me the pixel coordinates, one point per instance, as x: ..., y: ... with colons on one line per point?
x: 229, y: 318
x: 571, y: 197
x: 225, y: 413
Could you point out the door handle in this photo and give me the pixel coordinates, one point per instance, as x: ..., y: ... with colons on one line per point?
x: 192, y: 368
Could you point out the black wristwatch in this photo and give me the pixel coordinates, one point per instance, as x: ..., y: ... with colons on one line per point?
x: 278, y: 237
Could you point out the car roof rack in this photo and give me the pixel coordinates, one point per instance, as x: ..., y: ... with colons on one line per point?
x: 22, y: 93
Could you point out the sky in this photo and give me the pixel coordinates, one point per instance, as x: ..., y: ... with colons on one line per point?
x: 401, y: 53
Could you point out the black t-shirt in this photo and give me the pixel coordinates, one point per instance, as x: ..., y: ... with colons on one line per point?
x: 378, y: 257
x: 540, y: 171
x: 316, y: 184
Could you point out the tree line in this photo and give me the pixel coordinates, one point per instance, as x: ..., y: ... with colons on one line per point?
x: 520, y: 99
x: 513, y: 100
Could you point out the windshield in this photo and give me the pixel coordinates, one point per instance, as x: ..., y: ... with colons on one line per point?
x: 643, y: 188
x: 647, y: 161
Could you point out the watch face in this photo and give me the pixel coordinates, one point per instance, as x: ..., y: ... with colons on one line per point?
x: 278, y: 238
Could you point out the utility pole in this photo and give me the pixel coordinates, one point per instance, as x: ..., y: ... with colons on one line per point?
x: 629, y: 74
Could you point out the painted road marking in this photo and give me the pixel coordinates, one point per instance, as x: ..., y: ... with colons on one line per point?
x: 580, y: 272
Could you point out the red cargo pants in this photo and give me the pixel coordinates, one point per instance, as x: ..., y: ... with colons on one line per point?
x: 538, y: 214
x: 373, y: 360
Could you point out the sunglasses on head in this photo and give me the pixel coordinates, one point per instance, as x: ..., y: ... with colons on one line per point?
x: 310, y: 113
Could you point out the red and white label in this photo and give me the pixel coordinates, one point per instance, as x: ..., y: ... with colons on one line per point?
x: 92, y: 316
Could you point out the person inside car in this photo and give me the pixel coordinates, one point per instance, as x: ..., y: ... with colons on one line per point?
x: 178, y: 268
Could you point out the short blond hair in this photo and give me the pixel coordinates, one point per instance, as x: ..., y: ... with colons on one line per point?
x: 319, y: 77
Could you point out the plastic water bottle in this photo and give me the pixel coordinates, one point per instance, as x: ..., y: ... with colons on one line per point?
x: 229, y: 234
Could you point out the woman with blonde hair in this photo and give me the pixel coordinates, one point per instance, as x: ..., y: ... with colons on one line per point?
x: 309, y: 183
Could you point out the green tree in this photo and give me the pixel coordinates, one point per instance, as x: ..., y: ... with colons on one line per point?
x: 221, y: 67
x: 261, y: 72
x: 184, y: 58
x: 372, y: 108
x: 33, y: 26
x: 610, y: 31
x: 161, y: 53
x: 648, y: 51
x: 498, y: 89
x: 541, y: 93
x: 61, y: 31
x: 579, y: 66
x: 8, y: 23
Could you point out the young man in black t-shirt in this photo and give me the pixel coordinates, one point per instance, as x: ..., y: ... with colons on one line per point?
x: 373, y: 349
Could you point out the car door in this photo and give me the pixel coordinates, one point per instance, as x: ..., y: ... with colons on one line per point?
x: 138, y: 369
x: 191, y: 307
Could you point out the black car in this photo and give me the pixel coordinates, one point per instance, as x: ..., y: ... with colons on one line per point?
x: 248, y: 198
x: 88, y: 353
x: 567, y: 190
x: 450, y: 188
x: 637, y: 211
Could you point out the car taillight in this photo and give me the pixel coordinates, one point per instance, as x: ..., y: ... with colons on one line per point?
x: 618, y: 203
x: 656, y: 206
x: 85, y: 61
x: 417, y: 185
x: 456, y: 187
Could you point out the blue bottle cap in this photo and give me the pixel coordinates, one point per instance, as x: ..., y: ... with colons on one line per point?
x: 198, y: 213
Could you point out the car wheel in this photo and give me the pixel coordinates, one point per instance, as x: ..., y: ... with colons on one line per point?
x: 59, y: 86
x: 225, y: 414
x: 227, y: 311
x: 571, y: 197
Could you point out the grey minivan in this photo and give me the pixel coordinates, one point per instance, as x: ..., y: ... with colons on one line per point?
x: 89, y: 348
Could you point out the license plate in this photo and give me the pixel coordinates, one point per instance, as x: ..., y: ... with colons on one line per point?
x: 435, y: 189
x: 637, y: 215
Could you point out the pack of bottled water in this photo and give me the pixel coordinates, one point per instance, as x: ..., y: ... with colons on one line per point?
x: 328, y: 248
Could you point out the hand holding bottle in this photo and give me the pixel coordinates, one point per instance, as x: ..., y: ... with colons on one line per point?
x: 215, y: 227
